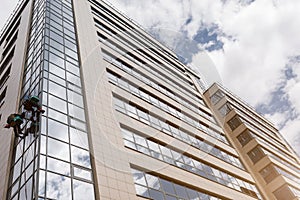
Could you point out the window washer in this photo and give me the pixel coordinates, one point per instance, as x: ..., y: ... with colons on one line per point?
x: 31, y: 108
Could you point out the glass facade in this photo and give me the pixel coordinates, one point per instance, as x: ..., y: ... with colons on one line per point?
x: 154, y: 84
x: 54, y: 164
x: 155, y: 187
x: 156, y: 122
x: 170, y: 130
x: 156, y: 101
x: 176, y: 158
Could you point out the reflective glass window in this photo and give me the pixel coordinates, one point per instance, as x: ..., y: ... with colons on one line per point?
x: 159, y: 188
x: 168, y: 187
x: 82, y: 173
x: 74, y: 87
x: 225, y: 109
x: 234, y: 122
x: 70, y: 45
x: 56, y: 60
x: 73, y: 79
x: 56, y: 37
x: 256, y: 154
x: 58, y: 186
x: 58, y: 166
x: 72, y: 68
x: 57, y: 115
x: 157, y: 195
x: 142, y: 190
x: 58, y: 130
x: 75, y: 98
x: 139, y: 177
x: 79, y: 138
x: 58, y: 149
x: 76, y: 112
x: 56, y: 45
x: 245, y: 137
x: 216, y: 97
x: 83, y: 190
x: 57, y: 103
x: 16, y: 170
x: 77, y: 124
x: 172, y: 157
x: 42, y: 183
x: 56, y: 79
x: 57, y: 71
x: 152, y: 181
x: 80, y: 157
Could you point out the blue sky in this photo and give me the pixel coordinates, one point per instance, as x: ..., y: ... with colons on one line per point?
x: 252, y: 47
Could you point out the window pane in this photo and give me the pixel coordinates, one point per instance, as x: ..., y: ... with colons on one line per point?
x: 256, y: 154
x: 56, y: 60
x: 127, y: 135
x: 234, y: 122
x: 72, y: 68
x: 17, y: 170
x: 58, y: 130
x: 180, y: 191
x: 73, y: 79
x: 42, y: 183
x: 58, y: 116
x: 170, y: 197
x: 244, y: 137
x: 83, y: 190
x: 79, y: 138
x: 80, y: 157
x: 141, y: 190
x: 57, y: 104
x: 57, y: 71
x: 81, y: 173
x: 54, y: 182
x: 58, y: 166
x: 75, y: 98
x: 76, y: 112
x: 138, y: 177
x: 157, y: 195
x: 167, y: 186
x: 56, y: 79
x: 58, y: 149
x: 77, y: 124
x: 140, y: 140
x: 56, y: 45
x: 152, y: 181
x: 225, y: 109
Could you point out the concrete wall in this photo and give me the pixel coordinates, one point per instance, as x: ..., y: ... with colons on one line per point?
x: 11, y: 103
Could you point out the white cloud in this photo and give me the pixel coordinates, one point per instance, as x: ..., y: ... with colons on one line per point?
x: 254, y: 61
x: 6, y: 8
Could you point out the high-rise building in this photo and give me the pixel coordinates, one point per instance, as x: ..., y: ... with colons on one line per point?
x: 124, y: 118
x: 270, y: 160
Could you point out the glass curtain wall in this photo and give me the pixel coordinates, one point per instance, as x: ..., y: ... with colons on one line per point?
x: 56, y: 162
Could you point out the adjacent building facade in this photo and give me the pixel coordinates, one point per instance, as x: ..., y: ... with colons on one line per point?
x: 270, y: 160
x: 124, y: 118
